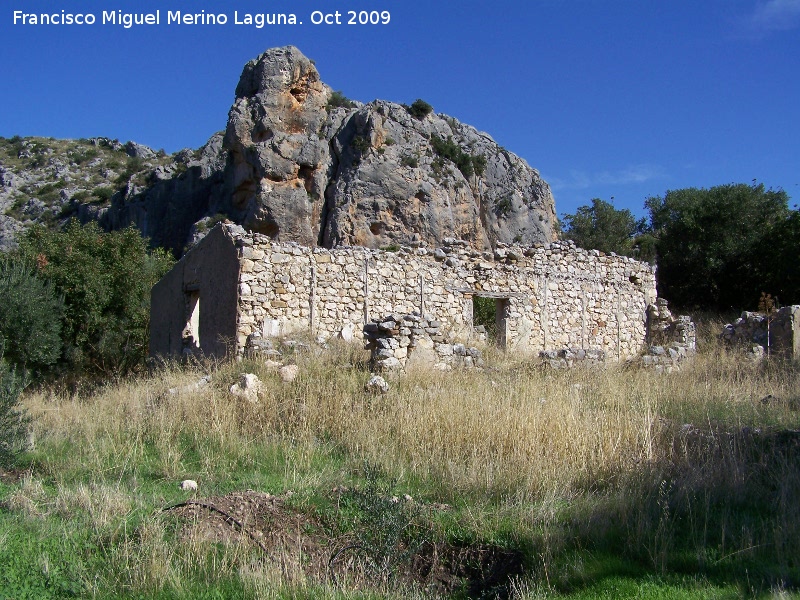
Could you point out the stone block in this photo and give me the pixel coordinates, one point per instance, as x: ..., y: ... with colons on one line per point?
x: 389, y: 364
x: 444, y: 350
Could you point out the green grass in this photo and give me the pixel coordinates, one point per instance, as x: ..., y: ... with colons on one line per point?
x: 594, y: 479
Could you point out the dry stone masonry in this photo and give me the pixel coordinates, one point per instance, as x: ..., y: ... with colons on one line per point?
x: 567, y: 358
x: 547, y: 297
x: 670, y: 340
x: 777, y: 333
x: 394, y: 340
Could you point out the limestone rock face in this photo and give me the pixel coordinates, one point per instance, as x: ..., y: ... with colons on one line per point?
x: 295, y: 164
x: 178, y: 195
x: 280, y: 163
x: 370, y: 175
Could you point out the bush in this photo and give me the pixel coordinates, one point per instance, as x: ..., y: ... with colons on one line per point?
x: 420, y: 109
x: 466, y: 163
x: 361, y: 145
x: 339, y: 100
x: 30, y: 317
x: 386, y: 530
x: 409, y: 161
x: 103, y: 194
x: 484, y: 313
x: 479, y: 164
x: 13, y: 422
x: 133, y: 167
x: 105, y: 279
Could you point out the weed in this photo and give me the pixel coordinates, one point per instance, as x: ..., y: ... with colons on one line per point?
x: 387, y: 530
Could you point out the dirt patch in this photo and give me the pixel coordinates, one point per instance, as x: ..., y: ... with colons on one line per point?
x: 286, y: 536
x: 300, y: 544
x: 476, y: 570
x: 11, y: 476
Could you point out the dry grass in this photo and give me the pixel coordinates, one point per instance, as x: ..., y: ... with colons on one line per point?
x: 606, y: 446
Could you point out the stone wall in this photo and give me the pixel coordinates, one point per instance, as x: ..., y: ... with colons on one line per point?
x: 782, y: 337
x: 193, y: 308
x: 549, y: 297
x: 396, y: 340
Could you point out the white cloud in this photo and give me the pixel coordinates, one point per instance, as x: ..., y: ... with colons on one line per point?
x: 581, y: 180
x: 775, y: 15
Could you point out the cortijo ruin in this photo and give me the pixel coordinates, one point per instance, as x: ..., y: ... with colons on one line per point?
x: 235, y: 285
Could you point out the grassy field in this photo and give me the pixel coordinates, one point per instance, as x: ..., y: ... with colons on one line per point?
x: 521, y: 483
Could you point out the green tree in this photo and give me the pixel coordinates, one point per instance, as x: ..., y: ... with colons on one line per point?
x: 713, y: 245
x: 30, y: 317
x: 605, y: 228
x: 778, y: 252
x: 105, y: 281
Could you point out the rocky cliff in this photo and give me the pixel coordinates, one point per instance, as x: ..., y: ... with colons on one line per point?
x: 310, y: 166
x: 298, y: 162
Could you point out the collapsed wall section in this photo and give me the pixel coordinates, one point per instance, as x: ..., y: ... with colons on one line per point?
x: 775, y: 333
x: 549, y: 297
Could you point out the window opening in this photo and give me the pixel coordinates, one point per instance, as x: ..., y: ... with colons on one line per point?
x: 191, y: 332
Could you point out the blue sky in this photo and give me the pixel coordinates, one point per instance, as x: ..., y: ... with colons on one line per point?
x: 612, y: 98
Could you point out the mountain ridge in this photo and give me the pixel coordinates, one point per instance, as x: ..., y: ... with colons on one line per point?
x: 298, y: 162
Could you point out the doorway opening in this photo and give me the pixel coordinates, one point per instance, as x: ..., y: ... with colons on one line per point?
x: 491, y: 314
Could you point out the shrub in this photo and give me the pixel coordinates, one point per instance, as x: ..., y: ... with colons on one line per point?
x: 484, y: 313
x: 503, y: 206
x: 82, y: 156
x: 420, y: 109
x: 360, y: 144
x: 105, y: 279
x: 133, y: 167
x: 13, y: 422
x: 103, y: 194
x: 466, y: 163
x: 339, y: 100
x: 409, y: 161
x: 479, y: 164
x: 387, y: 530
x: 30, y: 317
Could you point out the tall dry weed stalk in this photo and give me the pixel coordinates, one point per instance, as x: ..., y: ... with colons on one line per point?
x: 609, y: 447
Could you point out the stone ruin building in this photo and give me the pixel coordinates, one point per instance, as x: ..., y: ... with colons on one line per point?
x: 767, y: 334
x: 235, y: 287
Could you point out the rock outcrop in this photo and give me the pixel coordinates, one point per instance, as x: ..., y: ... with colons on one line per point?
x: 280, y: 159
x: 297, y: 162
x: 372, y: 174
